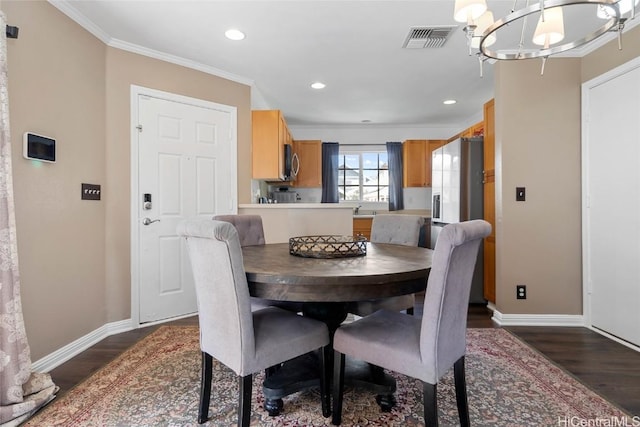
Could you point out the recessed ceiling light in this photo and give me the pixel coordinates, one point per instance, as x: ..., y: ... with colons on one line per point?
x: 449, y: 102
x: 234, y: 34
x: 318, y: 85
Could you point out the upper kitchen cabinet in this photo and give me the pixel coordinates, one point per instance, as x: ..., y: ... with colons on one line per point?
x: 475, y: 130
x: 309, y: 157
x: 416, y: 156
x: 269, y: 134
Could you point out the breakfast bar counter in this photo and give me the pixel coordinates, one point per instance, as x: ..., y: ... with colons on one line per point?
x: 284, y: 220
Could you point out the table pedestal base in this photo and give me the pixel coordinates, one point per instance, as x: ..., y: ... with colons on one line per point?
x: 302, y: 374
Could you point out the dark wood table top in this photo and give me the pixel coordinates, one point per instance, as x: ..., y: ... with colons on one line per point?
x: 386, y: 270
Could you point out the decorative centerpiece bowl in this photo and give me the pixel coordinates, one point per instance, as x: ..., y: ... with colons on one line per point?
x: 328, y: 246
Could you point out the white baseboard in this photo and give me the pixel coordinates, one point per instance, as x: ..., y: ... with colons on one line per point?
x: 571, y: 320
x: 615, y: 338
x: 65, y: 353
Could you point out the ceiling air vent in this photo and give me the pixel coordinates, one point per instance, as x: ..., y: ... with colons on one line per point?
x: 427, y: 37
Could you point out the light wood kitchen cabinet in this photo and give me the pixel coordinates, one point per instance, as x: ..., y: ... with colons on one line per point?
x: 309, y: 155
x: 269, y: 134
x: 475, y: 130
x: 362, y: 227
x: 470, y: 132
x: 489, y: 245
x: 416, y: 157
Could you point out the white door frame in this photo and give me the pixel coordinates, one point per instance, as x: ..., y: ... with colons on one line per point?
x: 586, y: 237
x: 134, y: 202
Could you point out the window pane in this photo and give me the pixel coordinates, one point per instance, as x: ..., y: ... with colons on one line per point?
x: 352, y: 177
x: 384, y: 177
x: 370, y: 177
x: 384, y: 194
x: 370, y: 194
x: 352, y: 193
x: 349, y: 161
x: 370, y: 160
x: 383, y: 161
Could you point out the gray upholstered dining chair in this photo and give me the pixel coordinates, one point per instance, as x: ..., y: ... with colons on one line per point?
x: 251, y: 233
x: 398, y: 230
x: 244, y: 341
x: 421, y: 348
x: 249, y: 228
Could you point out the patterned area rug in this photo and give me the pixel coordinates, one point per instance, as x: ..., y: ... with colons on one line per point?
x: 156, y: 383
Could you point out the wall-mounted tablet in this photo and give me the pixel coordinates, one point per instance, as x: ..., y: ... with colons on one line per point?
x: 38, y: 147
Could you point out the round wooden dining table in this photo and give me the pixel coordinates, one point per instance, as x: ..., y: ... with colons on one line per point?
x: 326, y: 287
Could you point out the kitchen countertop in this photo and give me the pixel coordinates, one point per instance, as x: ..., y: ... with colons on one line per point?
x: 293, y: 206
x: 366, y: 213
x: 425, y: 213
x: 422, y: 212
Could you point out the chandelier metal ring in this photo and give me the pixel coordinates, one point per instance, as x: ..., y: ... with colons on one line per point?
x: 541, y: 53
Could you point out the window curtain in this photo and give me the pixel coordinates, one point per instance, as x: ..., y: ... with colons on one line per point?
x: 22, y: 392
x: 396, y: 196
x: 330, y: 157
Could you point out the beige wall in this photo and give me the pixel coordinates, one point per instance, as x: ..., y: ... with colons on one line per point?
x: 538, y: 146
x: 123, y: 70
x: 56, y: 88
x: 608, y: 56
x: 65, y: 83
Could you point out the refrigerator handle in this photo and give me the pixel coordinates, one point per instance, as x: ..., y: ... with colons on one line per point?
x: 435, y: 214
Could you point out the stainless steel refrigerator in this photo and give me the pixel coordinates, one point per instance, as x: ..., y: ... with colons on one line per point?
x: 457, y: 193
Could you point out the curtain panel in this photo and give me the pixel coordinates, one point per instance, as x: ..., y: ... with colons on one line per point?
x: 396, y: 195
x: 330, y: 158
x: 22, y: 392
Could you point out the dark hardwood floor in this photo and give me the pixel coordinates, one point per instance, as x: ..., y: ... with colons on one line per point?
x: 609, y: 368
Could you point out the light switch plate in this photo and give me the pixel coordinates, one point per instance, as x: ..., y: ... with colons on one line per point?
x: 90, y: 192
x: 520, y: 194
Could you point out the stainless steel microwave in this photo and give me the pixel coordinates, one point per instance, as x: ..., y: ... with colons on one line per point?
x: 291, y: 163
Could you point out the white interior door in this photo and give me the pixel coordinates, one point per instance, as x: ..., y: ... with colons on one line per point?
x: 186, y: 169
x: 611, y: 221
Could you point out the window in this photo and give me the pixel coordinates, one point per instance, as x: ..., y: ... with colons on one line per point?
x: 363, y: 176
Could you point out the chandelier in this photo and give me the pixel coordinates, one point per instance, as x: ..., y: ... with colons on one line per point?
x: 513, y: 37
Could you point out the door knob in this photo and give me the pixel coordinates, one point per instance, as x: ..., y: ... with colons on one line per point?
x: 147, y: 221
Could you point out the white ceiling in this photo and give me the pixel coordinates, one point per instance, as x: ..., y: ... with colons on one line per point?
x: 354, y: 47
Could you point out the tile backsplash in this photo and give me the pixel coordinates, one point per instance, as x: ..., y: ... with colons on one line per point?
x: 414, y: 198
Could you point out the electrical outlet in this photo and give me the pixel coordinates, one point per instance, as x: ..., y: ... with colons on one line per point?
x: 521, y: 292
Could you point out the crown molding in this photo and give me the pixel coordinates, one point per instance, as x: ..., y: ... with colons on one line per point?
x: 65, y: 7
x: 178, y: 60
x: 606, y: 38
